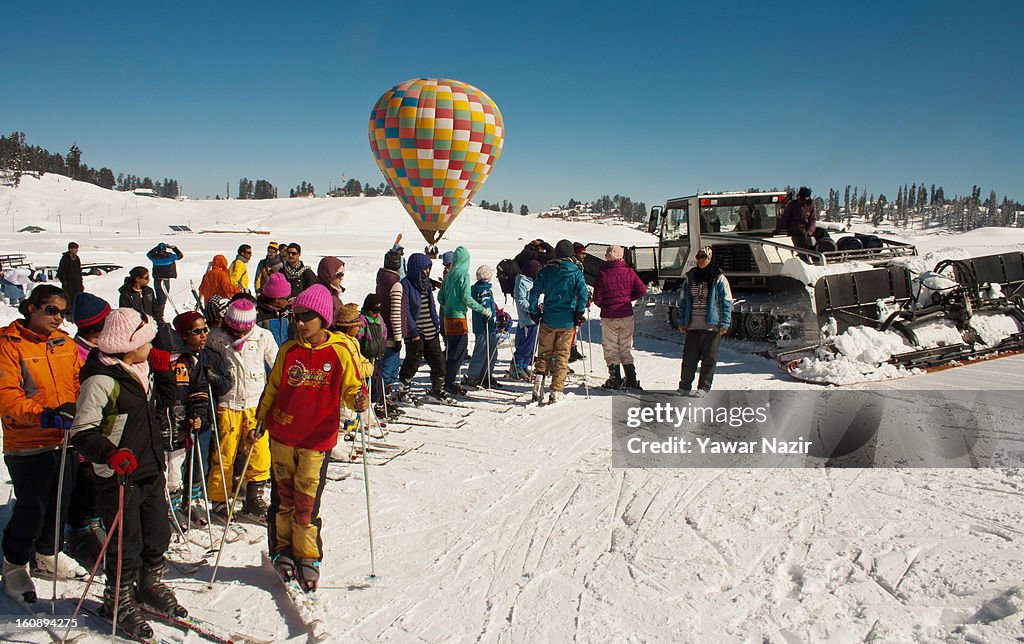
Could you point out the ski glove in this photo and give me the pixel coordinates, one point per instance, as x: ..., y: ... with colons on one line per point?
x: 58, y: 417
x: 537, y: 317
x: 577, y: 318
x: 122, y: 461
x: 159, y: 360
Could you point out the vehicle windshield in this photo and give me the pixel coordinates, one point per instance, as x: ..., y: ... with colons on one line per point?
x: 738, y: 218
x: 675, y: 225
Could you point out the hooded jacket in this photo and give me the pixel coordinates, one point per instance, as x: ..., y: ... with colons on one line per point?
x: 301, y: 405
x: 114, y: 411
x: 483, y: 294
x: 616, y: 288
x: 456, y: 294
x: 246, y: 366
x: 325, y: 272
x: 217, y: 280
x: 565, y: 293
x: 411, y: 285
x: 35, y: 372
x: 719, y: 301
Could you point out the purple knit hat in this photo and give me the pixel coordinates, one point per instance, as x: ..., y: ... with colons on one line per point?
x: 241, y: 315
x: 277, y: 286
x: 318, y: 299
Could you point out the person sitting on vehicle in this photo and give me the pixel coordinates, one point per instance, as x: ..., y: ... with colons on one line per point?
x: 743, y: 222
x: 799, y: 221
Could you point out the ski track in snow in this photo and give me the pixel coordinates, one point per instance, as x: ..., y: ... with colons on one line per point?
x: 516, y: 528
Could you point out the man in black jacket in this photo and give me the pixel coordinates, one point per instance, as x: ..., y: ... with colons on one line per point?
x: 69, y: 272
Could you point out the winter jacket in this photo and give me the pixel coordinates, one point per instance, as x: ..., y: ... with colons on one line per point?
x: 35, y: 372
x: 182, y: 392
x: 303, y: 409
x: 521, y: 295
x: 245, y: 366
x: 798, y: 215
x: 142, y: 301
x: 84, y: 348
x: 616, y: 288
x: 300, y: 278
x: 69, y: 272
x: 372, y: 336
x: 456, y: 295
x: 392, y: 304
x: 264, y: 269
x: 114, y: 411
x: 483, y: 294
x: 565, y: 293
x: 413, y: 295
x: 325, y: 272
x: 238, y: 272
x: 719, y: 301
x: 217, y: 280
x: 164, y: 261
x: 278, y: 321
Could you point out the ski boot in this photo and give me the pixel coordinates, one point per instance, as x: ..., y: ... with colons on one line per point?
x: 86, y: 541
x: 574, y: 354
x: 155, y: 593
x: 614, y: 378
x: 255, y: 505
x: 18, y: 582
x: 284, y: 564
x: 308, y: 571
x: 631, y: 379
x: 538, y: 388
x: 61, y: 567
x: 456, y: 389
x: 555, y: 396
x: 441, y: 395
x: 130, y: 617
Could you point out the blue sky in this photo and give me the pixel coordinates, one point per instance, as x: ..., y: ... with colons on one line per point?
x: 648, y: 100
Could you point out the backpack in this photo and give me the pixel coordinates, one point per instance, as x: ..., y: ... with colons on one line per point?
x: 506, y: 272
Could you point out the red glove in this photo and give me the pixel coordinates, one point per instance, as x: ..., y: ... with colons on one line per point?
x: 159, y: 360
x: 122, y: 461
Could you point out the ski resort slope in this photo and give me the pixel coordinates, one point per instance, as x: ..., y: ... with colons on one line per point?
x: 515, y: 527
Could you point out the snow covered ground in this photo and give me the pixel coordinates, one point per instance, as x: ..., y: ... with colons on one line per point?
x: 516, y: 527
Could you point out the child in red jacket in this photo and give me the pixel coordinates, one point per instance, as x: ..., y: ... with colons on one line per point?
x: 314, y: 375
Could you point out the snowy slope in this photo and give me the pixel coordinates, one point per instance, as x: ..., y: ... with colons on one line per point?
x: 517, y: 528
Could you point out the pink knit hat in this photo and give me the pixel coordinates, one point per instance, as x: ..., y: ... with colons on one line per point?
x: 125, y: 330
x: 277, y: 286
x: 318, y: 299
x: 241, y: 315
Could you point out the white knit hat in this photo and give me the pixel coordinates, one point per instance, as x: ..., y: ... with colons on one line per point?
x: 125, y: 330
x: 485, y: 272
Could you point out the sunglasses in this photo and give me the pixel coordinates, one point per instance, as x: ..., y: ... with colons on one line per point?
x: 306, y: 316
x: 701, y: 256
x: 340, y: 274
x: 293, y: 252
x: 203, y: 330
x: 50, y: 309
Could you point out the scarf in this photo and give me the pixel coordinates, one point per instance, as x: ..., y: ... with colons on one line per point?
x: 706, y: 274
x: 140, y: 370
x: 424, y: 285
x: 240, y: 342
x: 293, y: 273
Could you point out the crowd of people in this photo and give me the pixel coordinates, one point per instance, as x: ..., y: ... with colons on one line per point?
x: 146, y: 423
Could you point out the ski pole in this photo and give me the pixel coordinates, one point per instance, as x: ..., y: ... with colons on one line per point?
x: 115, y: 526
x: 369, y: 519
x: 174, y: 517
x: 231, y: 512
x: 120, y: 551
x: 58, y: 525
x: 202, y: 486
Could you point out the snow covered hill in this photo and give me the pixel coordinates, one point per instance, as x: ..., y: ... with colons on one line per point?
x: 516, y: 527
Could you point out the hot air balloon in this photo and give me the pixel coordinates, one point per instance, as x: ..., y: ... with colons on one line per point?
x: 435, y: 141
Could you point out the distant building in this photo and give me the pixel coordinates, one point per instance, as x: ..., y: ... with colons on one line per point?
x: 144, y: 192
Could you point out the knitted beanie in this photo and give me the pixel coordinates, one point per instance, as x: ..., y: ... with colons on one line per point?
x: 277, y: 286
x: 183, y: 322
x: 216, y: 306
x: 90, y: 310
x: 578, y: 246
x: 124, y: 331
x: 447, y: 257
x: 485, y: 272
x: 392, y: 260
x: 613, y: 253
x: 241, y: 315
x: 318, y: 299
x: 563, y: 248
x: 348, y: 316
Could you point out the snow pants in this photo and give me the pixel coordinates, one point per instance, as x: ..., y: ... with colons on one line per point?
x: 296, y: 487
x: 456, y: 346
x: 554, y: 343
x: 417, y: 350
x: 234, y: 426
x: 389, y: 366
x: 526, y: 337
x: 34, y: 479
x: 617, y: 340
x: 700, y: 346
x: 146, y: 530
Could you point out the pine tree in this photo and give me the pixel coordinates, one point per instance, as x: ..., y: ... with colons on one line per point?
x: 524, y: 210
x: 74, y: 161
